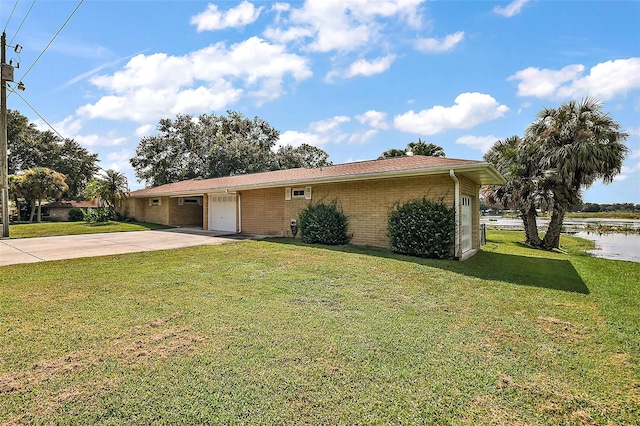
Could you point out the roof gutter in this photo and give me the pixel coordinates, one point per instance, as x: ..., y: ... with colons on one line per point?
x: 457, y: 213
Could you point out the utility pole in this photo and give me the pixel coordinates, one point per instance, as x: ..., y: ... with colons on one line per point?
x: 6, y: 74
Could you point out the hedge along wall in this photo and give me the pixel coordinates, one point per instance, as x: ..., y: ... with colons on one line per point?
x: 368, y: 203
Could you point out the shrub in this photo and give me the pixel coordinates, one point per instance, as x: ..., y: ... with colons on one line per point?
x: 324, y: 224
x: 99, y: 215
x: 76, y: 214
x: 422, y: 228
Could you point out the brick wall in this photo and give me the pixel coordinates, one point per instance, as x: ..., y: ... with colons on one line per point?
x: 262, y: 211
x: 184, y: 215
x: 367, y: 203
x: 157, y: 214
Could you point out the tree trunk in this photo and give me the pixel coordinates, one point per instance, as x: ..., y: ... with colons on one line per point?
x: 532, y: 237
x: 39, y: 211
x: 33, y: 211
x: 552, y: 236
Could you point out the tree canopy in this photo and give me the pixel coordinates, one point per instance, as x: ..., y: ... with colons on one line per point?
x: 415, y: 148
x: 213, y: 145
x: 564, y: 151
x: 110, y: 187
x: 29, y: 147
x: 37, y: 184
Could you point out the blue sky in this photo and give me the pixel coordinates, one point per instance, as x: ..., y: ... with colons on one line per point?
x: 353, y: 77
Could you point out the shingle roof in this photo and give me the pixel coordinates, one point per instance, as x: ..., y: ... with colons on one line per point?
x: 72, y: 203
x: 479, y: 171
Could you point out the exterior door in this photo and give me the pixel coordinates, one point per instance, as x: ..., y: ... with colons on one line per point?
x: 466, y: 225
x: 222, y: 212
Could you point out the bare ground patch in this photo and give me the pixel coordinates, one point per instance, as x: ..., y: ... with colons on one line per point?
x: 156, y: 339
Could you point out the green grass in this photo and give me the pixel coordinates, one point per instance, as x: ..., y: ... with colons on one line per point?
x: 278, y: 332
x: 51, y: 229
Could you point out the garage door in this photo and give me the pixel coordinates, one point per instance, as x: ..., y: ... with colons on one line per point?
x: 222, y: 213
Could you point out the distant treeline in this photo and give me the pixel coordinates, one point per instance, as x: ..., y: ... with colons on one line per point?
x: 582, y: 208
x: 616, y: 207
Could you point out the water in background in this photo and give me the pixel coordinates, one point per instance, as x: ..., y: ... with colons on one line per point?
x: 614, y: 246
x: 617, y: 246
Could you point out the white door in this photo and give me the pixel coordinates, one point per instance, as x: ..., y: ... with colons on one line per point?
x: 222, y: 212
x: 467, y: 214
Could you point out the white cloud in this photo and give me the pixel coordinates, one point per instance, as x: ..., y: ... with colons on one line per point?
x: 343, y: 25
x: 108, y: 139
x: 469, y: 110
x: 480, y: 143
x: 279, y: 35
x: 605, y: 80
x: 375, y: 119
x: 633, y: 131
x: 511, y: 9
x: 69, y: 126
x: 144, y: 130
x: 363, y: 137
x: 295, y: 139
x: 119, y: 160
x: 156, y: 86
x: 212, y: 19
x: 325, y: 126
x: 369, y: 68
x: 435, y: 45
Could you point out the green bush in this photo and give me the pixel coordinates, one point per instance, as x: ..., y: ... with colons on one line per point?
x: 422, y: 228
x: 76, y: 214
x: 104, y: 214
x: 324, y: 224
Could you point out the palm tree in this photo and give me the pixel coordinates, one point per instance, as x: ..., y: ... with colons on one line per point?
x: 423, y: 148
x: 519, y: 165
x: 393, y: 152
x: 110, y: 187
x: 580, y: 144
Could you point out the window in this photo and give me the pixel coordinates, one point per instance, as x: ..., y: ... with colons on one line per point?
x: 154, y: 201
x: 189, y: 201
x: 290, y: 193
x: 301, y: 193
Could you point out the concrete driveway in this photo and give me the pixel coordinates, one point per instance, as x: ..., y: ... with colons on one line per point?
x: 27, y: 250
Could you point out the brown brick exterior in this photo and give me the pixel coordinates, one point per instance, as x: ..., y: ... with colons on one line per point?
x: 262, y: 211
x: 367, y: 203
x: 184, y: 215
x: 169, y: 212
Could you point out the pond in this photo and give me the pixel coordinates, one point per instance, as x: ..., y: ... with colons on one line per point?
x: 614, y: 246
x: 609, y: 245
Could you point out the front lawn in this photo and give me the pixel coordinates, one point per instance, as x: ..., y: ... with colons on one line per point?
x: 278, y: 332
x: 52, y: 229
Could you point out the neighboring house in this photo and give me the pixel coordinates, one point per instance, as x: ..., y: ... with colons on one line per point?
x: 59, y: 210
x: 266, y: 203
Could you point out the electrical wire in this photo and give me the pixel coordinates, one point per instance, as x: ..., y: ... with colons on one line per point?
x: 23, y: 19
x: 10, y: 15
x: 37, y: 113
x: 51, y: 41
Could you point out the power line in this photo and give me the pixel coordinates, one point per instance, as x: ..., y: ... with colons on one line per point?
x: 23, y: 19
x: 50, y: 42
x: 12, y: 90
x: 10, y: 15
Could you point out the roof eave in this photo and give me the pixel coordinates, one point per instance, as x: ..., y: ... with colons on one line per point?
x: 492, y: 177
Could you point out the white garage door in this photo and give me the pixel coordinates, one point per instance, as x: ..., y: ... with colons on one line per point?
x: 222, y: 213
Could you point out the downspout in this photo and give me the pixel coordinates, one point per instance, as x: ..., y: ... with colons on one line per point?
x: 457, y: 213
x: 239, y: 213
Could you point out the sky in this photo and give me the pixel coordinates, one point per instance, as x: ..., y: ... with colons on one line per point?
x: 353, y: 77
